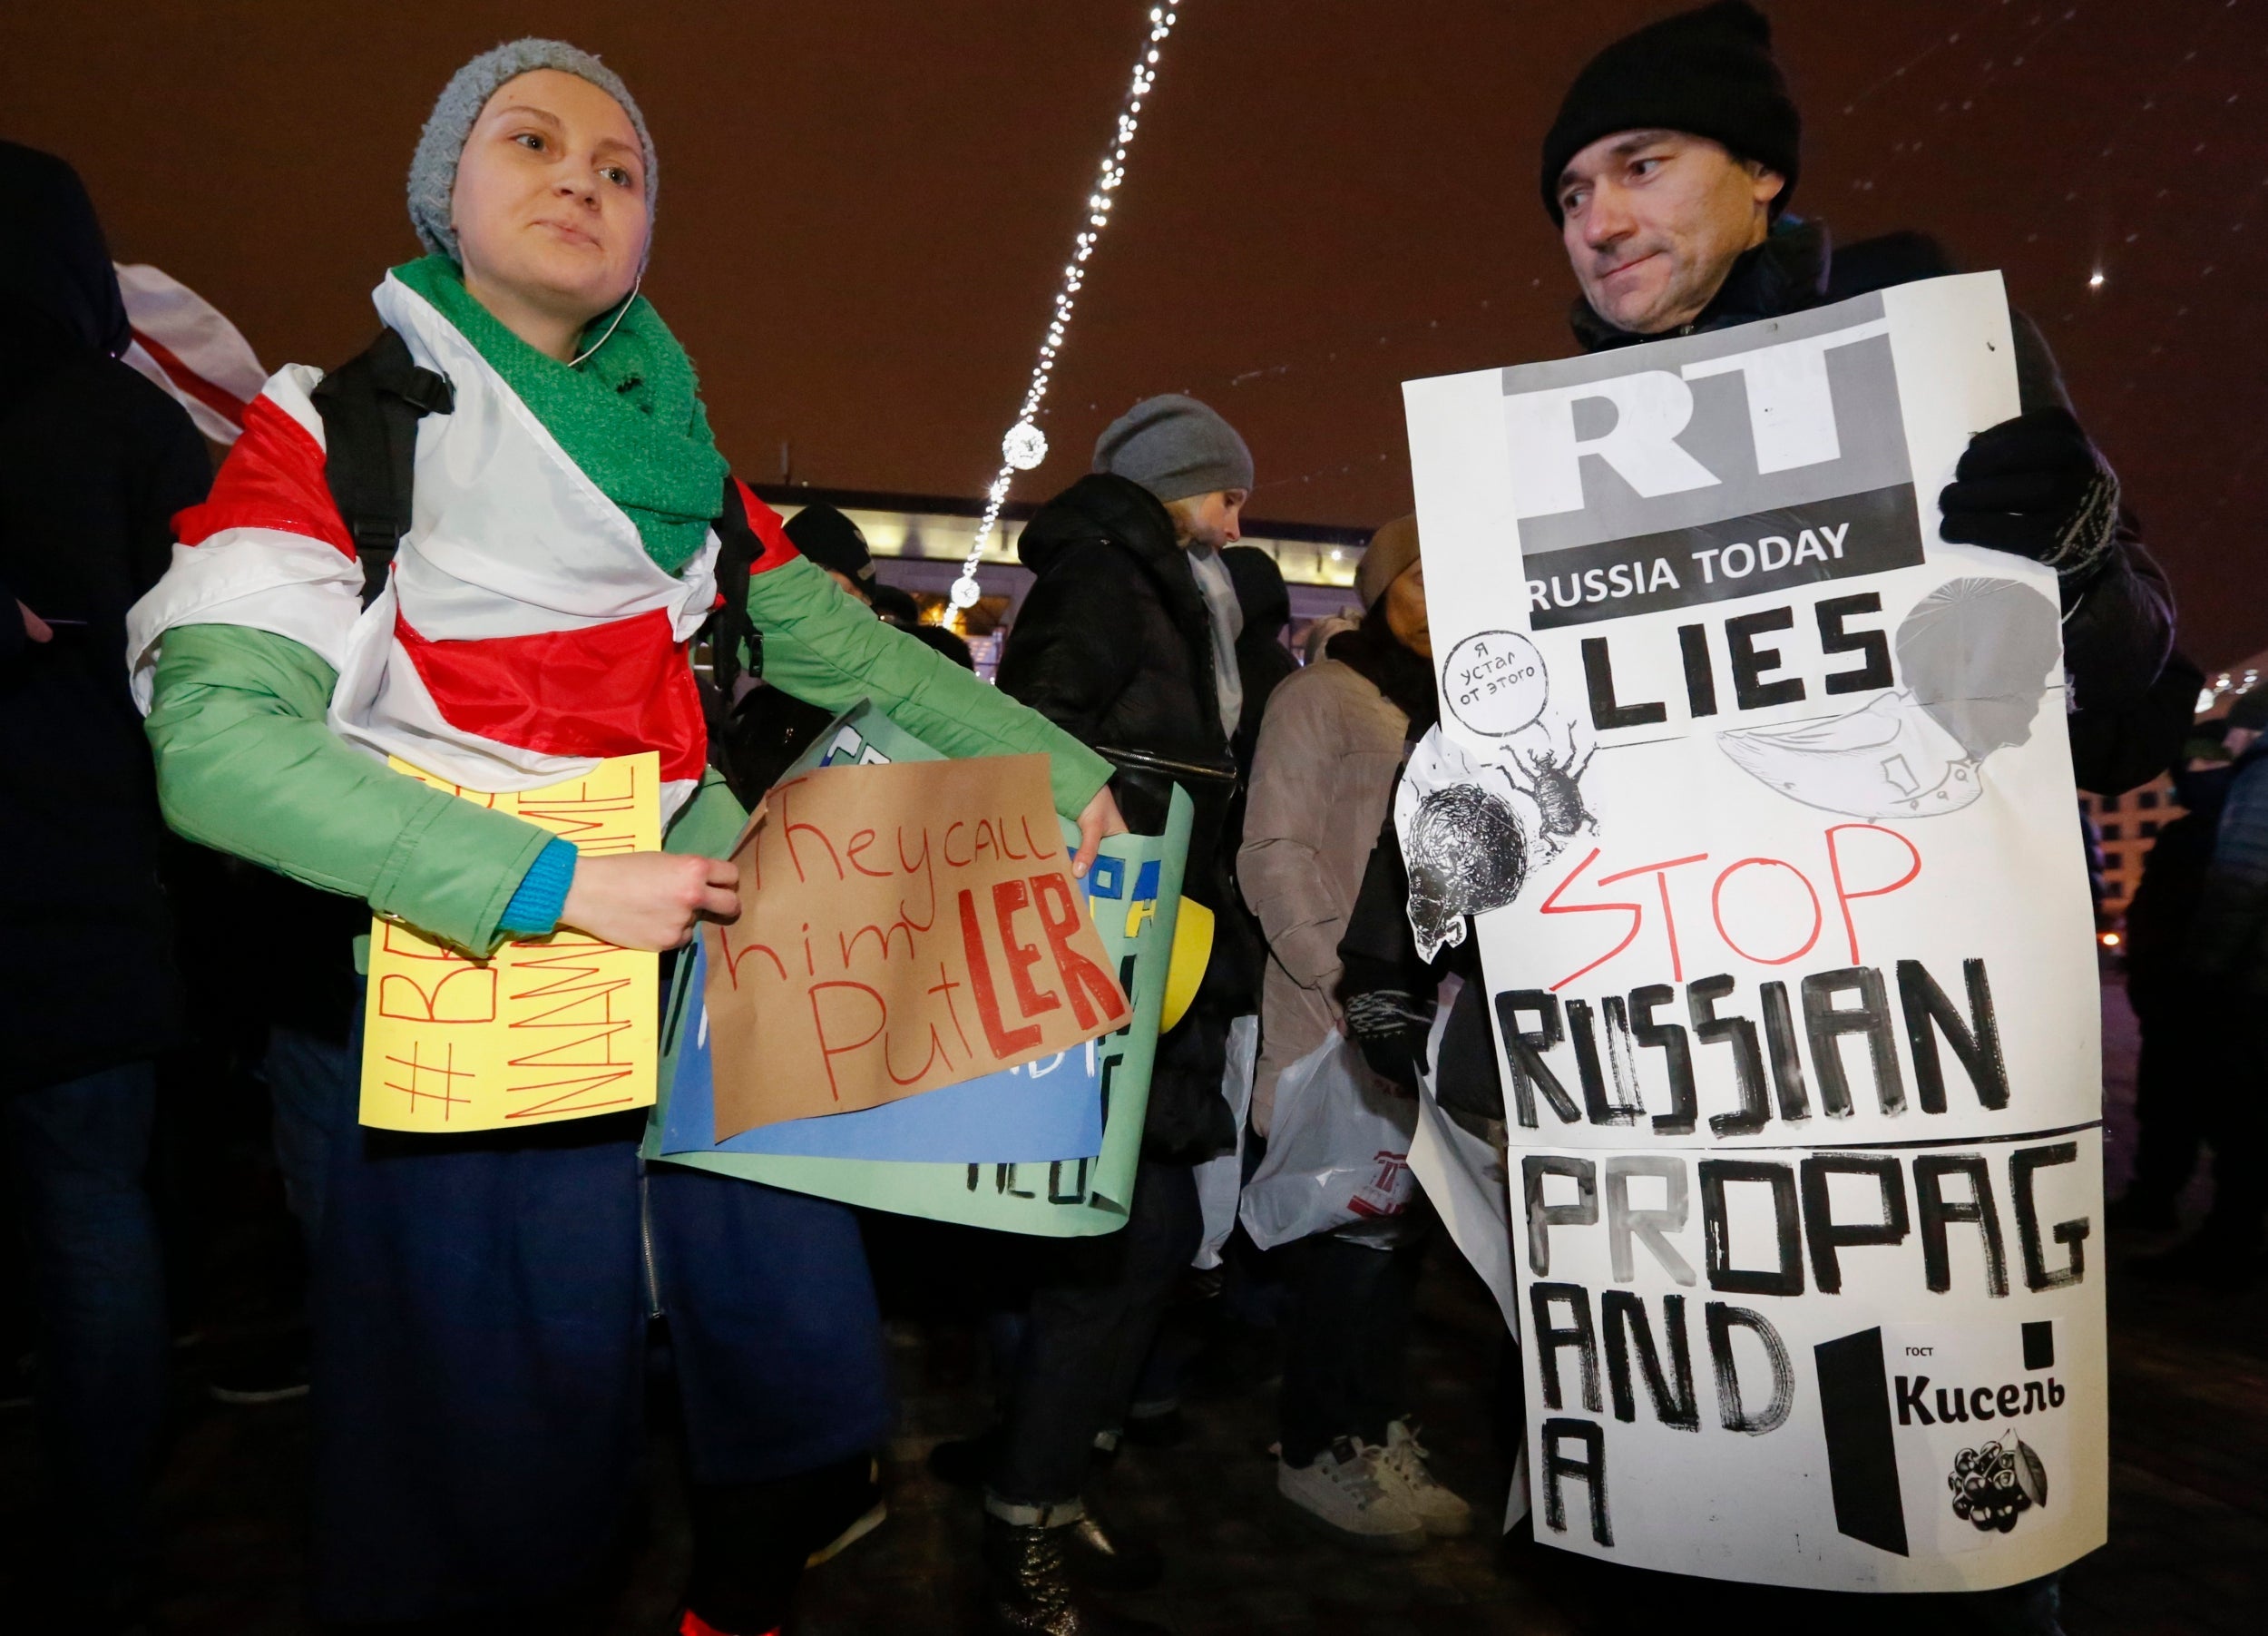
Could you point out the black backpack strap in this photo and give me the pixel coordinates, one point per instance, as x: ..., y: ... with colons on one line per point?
x: 729, y: 629
x: 370, y: 408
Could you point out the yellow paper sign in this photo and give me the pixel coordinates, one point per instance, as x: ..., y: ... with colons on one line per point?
x: 552, y: 1028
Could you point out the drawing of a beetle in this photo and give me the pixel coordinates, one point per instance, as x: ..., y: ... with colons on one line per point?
x: 1555, y: 786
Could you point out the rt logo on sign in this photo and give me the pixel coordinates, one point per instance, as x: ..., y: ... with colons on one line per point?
x: 1739, y: 463
x: 1790, y: 424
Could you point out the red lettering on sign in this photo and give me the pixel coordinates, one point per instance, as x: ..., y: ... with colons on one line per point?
x: 828, y: 1054
x: 1005, y: 1042
x: 936, y: 1050
x: 1082, y: 978
x: 1716, y: 909
x: 1008, y: 896
x: 789, y: 827
x: 734, y: 956
x: 1846, y: 897
x: 859, y: 843
x: 945, y: 985
x: 1552, y: 906
x: 1660, y: 872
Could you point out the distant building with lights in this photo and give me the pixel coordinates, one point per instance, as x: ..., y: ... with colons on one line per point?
x: 2128, y: 824
x: 919, y: 540
x: 2224, y: 687
x: 919, y: 543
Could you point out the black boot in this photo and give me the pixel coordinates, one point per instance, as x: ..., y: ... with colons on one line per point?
x: 1029, y: 1590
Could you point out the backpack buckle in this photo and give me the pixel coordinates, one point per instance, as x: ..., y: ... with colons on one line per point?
x: 428, y: 393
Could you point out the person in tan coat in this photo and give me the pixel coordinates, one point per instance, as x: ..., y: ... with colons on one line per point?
x: 1322, y: 776
x: 1331, y: 747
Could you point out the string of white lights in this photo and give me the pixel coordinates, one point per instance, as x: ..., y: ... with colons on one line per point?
x: 1025, y: 445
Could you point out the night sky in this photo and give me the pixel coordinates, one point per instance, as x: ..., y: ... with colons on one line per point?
x: 866, y: 207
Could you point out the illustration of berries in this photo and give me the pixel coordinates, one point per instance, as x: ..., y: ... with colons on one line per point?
x: 1995, y: 1483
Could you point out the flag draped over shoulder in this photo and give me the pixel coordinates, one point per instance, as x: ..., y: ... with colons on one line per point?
x: 527, y: 630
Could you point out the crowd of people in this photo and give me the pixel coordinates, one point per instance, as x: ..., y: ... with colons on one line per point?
x: 487, y: 546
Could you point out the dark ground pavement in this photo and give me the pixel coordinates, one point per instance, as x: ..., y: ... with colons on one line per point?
x: 2188, y: 1548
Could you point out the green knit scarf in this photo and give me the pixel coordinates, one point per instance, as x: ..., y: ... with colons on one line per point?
x: 630, y: 416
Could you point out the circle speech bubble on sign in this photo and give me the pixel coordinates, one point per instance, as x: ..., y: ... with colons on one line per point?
x: 1494, y: 682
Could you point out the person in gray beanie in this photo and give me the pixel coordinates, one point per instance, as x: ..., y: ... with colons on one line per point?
x: 1176, y: 446
x: 1128, y: 641
x: 1197, y: 466
x: 432, y: 168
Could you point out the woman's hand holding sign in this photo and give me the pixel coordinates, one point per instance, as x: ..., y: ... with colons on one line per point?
x: 656, y: 900
x: 650, y: 900
x: 1098, y: 819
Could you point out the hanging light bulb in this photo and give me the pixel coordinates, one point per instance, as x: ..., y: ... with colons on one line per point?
x: 1025, y: 446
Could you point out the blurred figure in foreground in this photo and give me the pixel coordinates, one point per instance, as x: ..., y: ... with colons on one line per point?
x: 94, y: 461
x: 2181, y: 1033
x: 2229, y: 961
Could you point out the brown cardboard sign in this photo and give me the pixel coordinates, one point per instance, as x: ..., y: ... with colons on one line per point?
x: 903, y: 927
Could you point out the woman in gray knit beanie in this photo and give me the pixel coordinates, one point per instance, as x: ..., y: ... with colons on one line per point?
x: 433, y: 169
x: 480, y: 1294
x: 535, y: 176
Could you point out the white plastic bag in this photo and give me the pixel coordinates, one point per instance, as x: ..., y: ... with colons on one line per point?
x: 1217, y: 1179
x: 1338, y: 1153
x: 1465, y: 1176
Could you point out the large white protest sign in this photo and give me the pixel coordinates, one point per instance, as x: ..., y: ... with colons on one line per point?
x: 1760, y: 796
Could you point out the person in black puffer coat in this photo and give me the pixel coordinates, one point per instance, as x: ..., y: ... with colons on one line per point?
x: 94, y: 461
x: 1128, y: 641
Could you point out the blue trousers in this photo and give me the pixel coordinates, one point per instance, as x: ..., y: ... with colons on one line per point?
x: 78, y: 1152
x: 313, y: 1087
x: 481, y: 1308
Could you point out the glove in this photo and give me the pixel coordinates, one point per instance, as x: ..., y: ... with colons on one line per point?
x: 1389, y: 1026
x: 2035, y: 487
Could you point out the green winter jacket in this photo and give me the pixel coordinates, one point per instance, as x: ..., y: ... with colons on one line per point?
x: 247, y: 762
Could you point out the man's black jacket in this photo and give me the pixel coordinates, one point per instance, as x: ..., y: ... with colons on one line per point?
x: 2118, y: 629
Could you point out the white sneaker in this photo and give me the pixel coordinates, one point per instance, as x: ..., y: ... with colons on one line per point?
x: 1401, y: 1471
x: 1342, y: 1493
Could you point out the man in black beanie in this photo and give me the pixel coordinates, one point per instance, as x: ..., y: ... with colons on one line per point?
x: 1667, y: 173
x: 838, y: 545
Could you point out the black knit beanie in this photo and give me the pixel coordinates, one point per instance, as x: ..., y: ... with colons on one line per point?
x: 1708, y: 72
x: 833, y: 541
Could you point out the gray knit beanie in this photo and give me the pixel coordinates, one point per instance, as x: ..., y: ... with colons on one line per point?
x: 1175, y: 446
x: 432, y: 170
